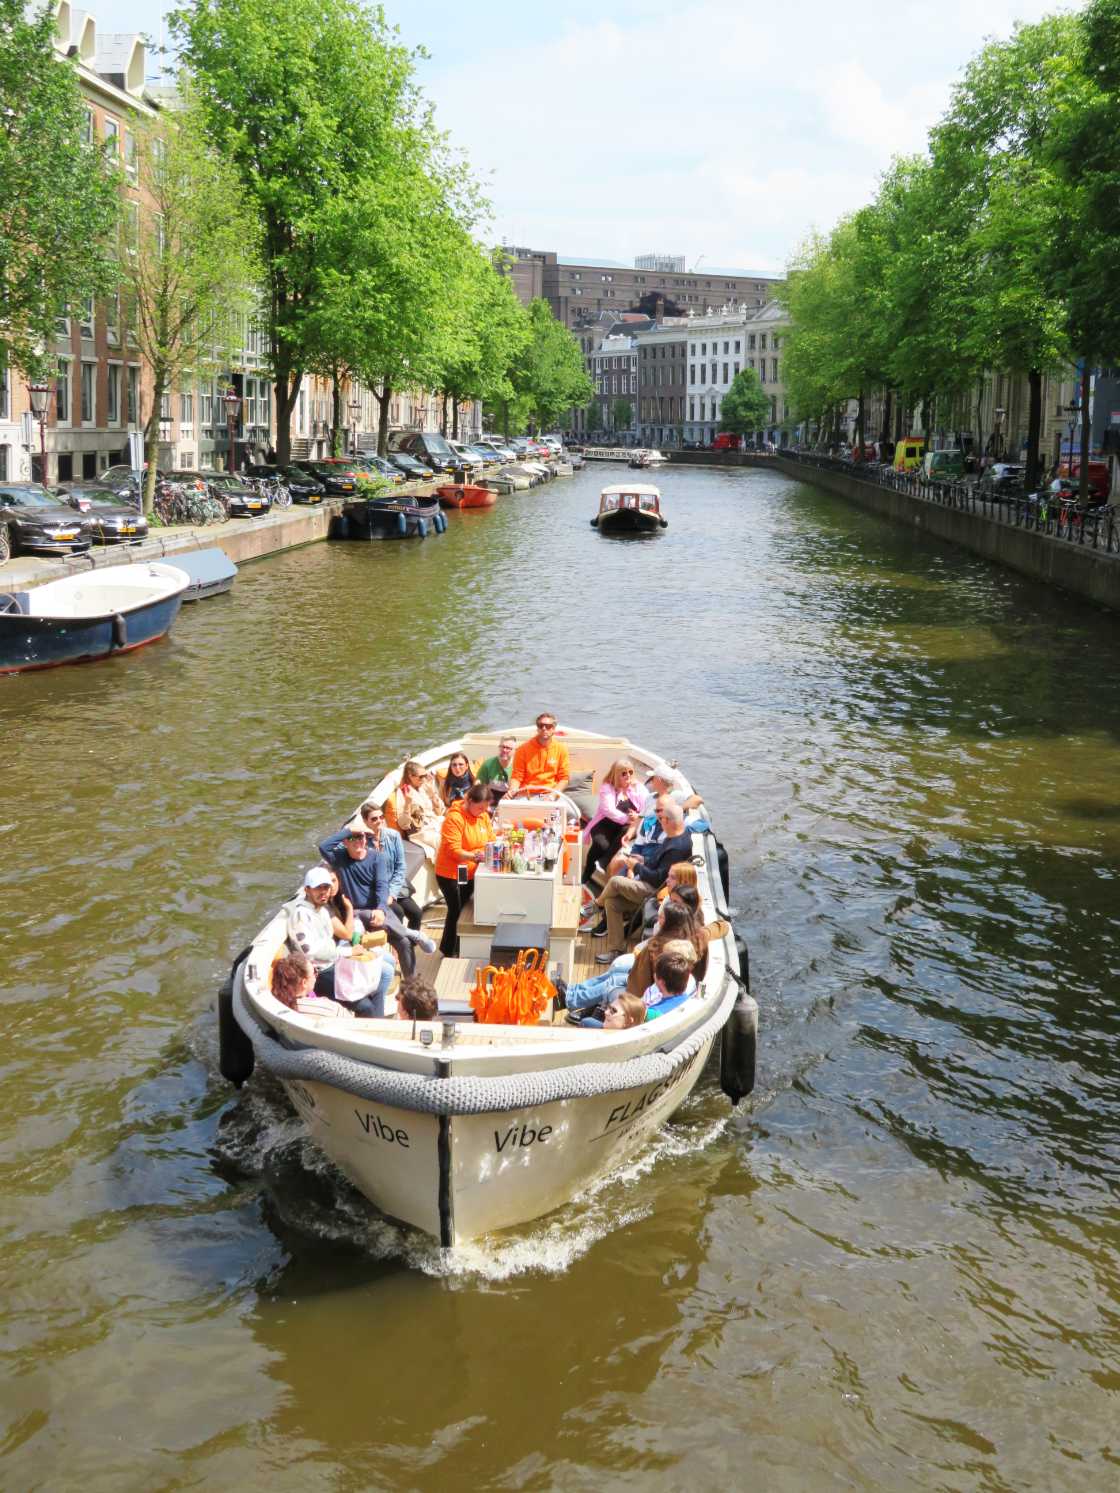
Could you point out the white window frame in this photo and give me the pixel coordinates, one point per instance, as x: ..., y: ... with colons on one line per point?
x: 91, y: 419
x: 63, y: 413
x: 113, y: 385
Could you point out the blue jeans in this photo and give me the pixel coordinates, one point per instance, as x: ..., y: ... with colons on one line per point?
x: 599, y: 987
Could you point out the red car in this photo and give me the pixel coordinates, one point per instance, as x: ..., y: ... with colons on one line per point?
x: 726, y: 441
x: 1100, y: 478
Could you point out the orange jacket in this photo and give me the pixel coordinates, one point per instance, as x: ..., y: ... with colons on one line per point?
x: 461, y: 833
x: 536, y: 766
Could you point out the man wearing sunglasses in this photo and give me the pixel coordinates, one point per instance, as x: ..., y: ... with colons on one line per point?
x: 540, y: 765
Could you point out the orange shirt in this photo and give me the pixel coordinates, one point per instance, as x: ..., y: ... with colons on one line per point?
x: 461, y: 833
x: 536, y: 766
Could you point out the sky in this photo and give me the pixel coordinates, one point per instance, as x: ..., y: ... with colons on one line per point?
x: 723, y: 130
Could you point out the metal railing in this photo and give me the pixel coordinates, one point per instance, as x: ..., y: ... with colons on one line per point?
x: 1059, y: 518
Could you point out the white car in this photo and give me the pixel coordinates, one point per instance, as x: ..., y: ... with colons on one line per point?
x: 496, y: 451
x: 466, y: 457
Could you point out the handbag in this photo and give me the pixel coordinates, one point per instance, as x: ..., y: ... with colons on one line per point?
x: 356, y: 976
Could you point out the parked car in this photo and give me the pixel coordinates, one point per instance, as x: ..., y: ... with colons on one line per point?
x: 31, y: 518
x: 943, y: 466
x: 408, y: 466
x: 380, y: 466
x: 908, y: 453
x: 726, y: 440
x: 469, y: 460
x: 241, y: 500
x: 426, y: 446
x: 1100, y: 478
x: 302, y: 484
x: 496, y: 451
x: 335, y: 476
x: 110, y: 519
x: 188, y: 477
x: 1002, y: 477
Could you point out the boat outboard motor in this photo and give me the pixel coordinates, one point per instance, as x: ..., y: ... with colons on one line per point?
x: 235, y: 1051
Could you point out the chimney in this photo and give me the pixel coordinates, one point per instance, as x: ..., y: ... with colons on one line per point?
x: 659, y: 310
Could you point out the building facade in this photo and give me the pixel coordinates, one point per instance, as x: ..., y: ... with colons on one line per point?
x: 663, y: 383
x: 614, y: 372
x: 579, y: 290
x: 720, y: 347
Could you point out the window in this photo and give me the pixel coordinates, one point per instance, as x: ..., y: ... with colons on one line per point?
x: 133, y: 395
x: 762, y: 341
x: 112, y: 143
x: 131, y: 226
x: 762, y: 370
x: 130, y: 154
x: 737, y: 350
x: 89, y: 379
x: 692, y: 409
x: 703, y: 373
x: 703, y: 349
x: 774, y: 341
x: 725, y: 365
x: 692, y: 373
x: 5, y: 397
x: 62, y: 321
x: 85, y: 323
x: 186, y: 408
x: 113, y: 316
x: 62, y: 392
x: 113, y: 395
x: 165, y: 405
x: 774, y: 370
x: 87, y: 126
x: 206, y: 404
x: 750, y: 344
x: 725, y: 348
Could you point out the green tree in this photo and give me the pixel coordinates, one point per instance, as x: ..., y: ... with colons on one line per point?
x: 310, y: 100
x: 746, y: 406
x: 494, y: 330
x: 623, y: 414
x: 549, y: 375
x: 188, y: 264
x: 59, y: 196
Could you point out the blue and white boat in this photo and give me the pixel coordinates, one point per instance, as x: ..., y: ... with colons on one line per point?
x: 93, y: 615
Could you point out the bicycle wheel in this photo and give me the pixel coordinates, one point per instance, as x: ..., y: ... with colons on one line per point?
x: 281, y: 496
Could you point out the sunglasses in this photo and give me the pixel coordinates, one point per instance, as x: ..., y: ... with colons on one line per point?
x: 546, y: 725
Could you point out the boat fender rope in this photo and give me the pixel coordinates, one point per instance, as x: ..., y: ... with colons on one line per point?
x: 120, y: 631
x: 472, y: 1095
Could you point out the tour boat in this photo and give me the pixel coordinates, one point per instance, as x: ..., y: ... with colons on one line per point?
x: 391, y: 518
x: 460, y: 1127
x: 79, y: 618
x: 629, y: 508
x: 464, y: 495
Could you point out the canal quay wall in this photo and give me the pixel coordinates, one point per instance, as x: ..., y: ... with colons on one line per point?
x: 1062, y: 557
x: 720, y: 458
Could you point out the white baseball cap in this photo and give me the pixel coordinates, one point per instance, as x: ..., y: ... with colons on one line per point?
x: 666, y: 773
x: 318, y: 876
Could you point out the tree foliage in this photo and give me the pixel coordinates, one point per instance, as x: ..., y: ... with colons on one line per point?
x: 548, y: 376
x: 188, y: 267
x: 59, y: 195
x: 746, y: 406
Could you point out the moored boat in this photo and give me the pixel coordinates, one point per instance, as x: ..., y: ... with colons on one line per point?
x: 629, y: 508
x: 211, y: 573
x: 461, y: 1127
x: 84, y: 617
x: 392, y: 518
x: 465, y: 495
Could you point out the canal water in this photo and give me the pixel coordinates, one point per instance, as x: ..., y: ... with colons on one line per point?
x: 894, y: 1267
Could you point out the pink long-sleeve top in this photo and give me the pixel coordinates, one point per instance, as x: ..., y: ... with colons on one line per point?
x: 609, y: 806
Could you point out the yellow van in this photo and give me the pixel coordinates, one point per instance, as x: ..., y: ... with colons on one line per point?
x: 908, y: 453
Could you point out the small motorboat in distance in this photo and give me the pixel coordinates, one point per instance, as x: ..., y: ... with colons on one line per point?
x: 84, y: 617
x: 463, y: 495
x: 629, y: 508
x: 400, y: 517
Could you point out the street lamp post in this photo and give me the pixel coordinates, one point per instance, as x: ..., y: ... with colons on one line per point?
x: 40, y: 394
x: 233, y: 410
x: 1072, y: 410
x: 997, y: 434
x: 355, y: 408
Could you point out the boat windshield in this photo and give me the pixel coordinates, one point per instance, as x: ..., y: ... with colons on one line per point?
x: 610, y: 502
x: 648, y: 503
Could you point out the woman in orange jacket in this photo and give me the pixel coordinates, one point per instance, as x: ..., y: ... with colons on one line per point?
x: 467, y: 830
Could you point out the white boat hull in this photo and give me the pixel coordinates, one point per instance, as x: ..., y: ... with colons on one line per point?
x: 463, y: 1176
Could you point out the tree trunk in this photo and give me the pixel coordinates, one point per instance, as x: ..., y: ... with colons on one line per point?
x: 336, y: 412
x: 929, y: 406
x: 1086, y: 434
x: 1034, y: 427
x: 151, y: 438
x: 859, y: 421
x: 443, y: 414
x: 285, y: 389
x: 454, y: 418
x: 885, y: 425
x: 382, y: 397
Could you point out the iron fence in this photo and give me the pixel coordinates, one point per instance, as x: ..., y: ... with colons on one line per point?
x: 1061, y: 519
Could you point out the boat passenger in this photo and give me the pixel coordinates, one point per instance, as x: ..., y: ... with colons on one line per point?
x: 622, y: 1011
x: 386, y: 845
x: 622, y: 895
x: 673, y: 983
x: 309, y: 930
x: 293, y: 984
x: 365, y: 881
x: 634, y: 971
x: 635, y: 841
x: 416, y: 1000
x: 417, y: 807
x: 467, y: 830
x: 682, y: 874
x: 622, y: 802
x: 540, y: 765
x: 678, y: 930
x: 341, y: 910
x: 454, y: 782
x: 662, y: 778
x: 494, y: 772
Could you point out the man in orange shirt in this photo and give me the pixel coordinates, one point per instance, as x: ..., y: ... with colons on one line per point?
x: 540, y: 765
